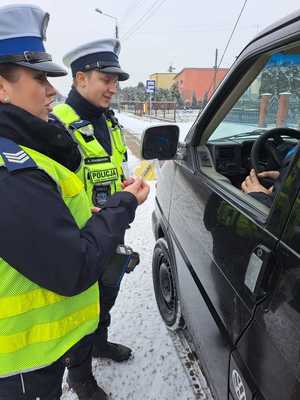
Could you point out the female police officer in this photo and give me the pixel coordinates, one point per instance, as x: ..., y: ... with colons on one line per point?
x: 52, y: 250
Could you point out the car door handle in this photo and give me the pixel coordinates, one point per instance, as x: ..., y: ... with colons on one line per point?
x: 258, y: 272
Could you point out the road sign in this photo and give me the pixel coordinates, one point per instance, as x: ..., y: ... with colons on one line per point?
x: 150, y: 86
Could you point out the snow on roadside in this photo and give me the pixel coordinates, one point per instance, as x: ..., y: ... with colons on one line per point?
x: 137, y: 124
x: 155, y: 372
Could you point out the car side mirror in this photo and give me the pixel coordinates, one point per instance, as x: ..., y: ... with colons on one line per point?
x: 160, y: 142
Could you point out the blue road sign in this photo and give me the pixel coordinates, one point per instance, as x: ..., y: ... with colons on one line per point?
x: 150, y: 86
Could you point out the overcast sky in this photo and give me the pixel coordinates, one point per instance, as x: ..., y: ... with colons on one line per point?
x: 182, y: 33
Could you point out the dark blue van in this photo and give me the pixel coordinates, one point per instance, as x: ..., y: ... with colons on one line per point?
x: 226, y: 264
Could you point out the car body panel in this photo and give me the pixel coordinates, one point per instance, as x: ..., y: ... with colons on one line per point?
x: 239, y: 321
x: 217, y: 246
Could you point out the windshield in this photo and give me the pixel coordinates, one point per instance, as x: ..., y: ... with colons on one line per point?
x: 272, y: 100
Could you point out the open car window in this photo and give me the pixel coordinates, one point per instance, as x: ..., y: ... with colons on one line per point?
x: 270, y: 100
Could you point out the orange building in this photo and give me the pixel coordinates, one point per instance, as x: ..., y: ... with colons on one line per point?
x: 198, y: 82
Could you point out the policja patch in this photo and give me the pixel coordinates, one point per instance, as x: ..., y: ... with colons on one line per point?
x: 106, y: 175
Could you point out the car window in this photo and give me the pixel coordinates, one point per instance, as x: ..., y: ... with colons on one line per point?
x: 272, y: 100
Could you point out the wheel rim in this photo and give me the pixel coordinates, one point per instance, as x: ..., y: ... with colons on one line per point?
x: 166, y: 284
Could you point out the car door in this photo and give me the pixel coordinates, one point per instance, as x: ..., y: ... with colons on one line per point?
x: 214, y: 239
x: 225, y: 240
x: 270, y: 346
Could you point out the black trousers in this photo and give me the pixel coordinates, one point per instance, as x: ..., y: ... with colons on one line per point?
x: 79, y: 358
x: 109, y: 286
x: 42, y: 384
x: 108, y: 296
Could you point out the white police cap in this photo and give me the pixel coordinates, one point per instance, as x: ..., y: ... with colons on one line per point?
x: 22, y: 32
x: 100, y: 54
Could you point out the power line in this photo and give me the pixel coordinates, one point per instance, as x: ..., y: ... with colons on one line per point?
x: 217, y: 28
x: 233, y: 30
x: 229, y: 40
x: 141, y: 19
x: 144, y: 18
x: 147, y: 18
x: 134, y: 5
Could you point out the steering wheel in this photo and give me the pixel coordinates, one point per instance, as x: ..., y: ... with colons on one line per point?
x: 271, y: 147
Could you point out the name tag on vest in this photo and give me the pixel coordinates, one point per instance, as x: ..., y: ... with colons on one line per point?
x: 104, y: 175
x: 97, y: 160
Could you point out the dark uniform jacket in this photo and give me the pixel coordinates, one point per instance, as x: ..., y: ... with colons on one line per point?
x: 39, y: 236
x: 95, y: 115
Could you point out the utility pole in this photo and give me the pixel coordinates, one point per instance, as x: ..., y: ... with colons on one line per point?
x: 215, y: 70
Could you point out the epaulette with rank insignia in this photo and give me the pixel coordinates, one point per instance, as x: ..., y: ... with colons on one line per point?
x: 85, y: 127
x: 14, y: 157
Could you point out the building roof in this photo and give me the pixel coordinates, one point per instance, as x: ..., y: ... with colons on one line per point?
x: 163, y: 73
x: 202, y: 69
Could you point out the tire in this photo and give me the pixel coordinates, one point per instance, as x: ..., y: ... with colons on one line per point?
x: 165, y: 287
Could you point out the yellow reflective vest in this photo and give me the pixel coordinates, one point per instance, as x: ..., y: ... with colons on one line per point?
x: 38, y: 326
x: 101, y: 173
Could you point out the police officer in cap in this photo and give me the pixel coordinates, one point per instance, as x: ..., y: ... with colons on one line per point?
x: 52, y: 249
x: 86, y: 115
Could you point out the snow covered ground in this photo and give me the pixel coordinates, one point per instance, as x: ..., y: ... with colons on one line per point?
x: 155, y: 372
x: 137, y: 124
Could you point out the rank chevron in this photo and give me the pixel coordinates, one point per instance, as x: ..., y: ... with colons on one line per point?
x: 19, y: 157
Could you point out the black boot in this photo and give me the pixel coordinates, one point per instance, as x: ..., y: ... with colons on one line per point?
x: 87, y: 390
x: 102, y: 348
x: 113, y: 351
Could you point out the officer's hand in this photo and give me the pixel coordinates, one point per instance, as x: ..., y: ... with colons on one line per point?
x: 127, y: 182
x: 269, y: 174
x: 140, y: 189
x: 95, y: 210
x: 252, y: 184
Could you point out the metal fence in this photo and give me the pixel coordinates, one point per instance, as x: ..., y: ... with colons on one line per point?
x: 165, y: 110
x: 162, y: 110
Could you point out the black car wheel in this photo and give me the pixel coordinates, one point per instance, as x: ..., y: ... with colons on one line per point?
x: 164, y: 281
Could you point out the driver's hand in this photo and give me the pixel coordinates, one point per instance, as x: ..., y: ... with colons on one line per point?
x: 269, y: 174
x: 252, y: 184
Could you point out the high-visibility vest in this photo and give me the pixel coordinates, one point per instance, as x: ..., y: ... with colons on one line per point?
x: 37, y: 326
x: 101, y: 173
